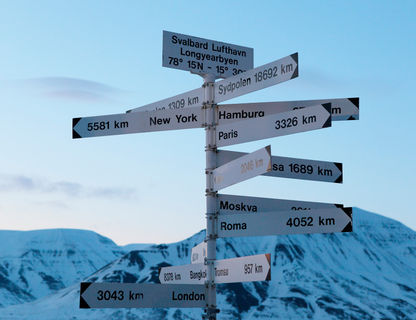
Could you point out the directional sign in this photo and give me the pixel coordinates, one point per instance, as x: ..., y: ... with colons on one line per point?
x: 341, y: 109
x: 203, y: 56
x: 141, y: 295
x: 244, y: 269
x: 242, y: 168
x: 285, y: 222
x: 258, y: 78
x: 124, y: 123
x: 294, y: 168
x: 199, y: 252
x: 231, y: 204
x: 193, y: 98
x: 279, y: 124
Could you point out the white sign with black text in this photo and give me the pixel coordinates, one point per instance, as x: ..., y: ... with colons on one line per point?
x: 199, y: 252
x: 242, y: 269
x: 141, y: 295
x: 258, y: 78
x: 204, y: 56
x: 341, y: 109
x: 242, y: 168
x: 124, y: 123
x: 285, y: 222
x: 275, y: 125
x: 232, y: 204
x: 294, y: 168
x: 189, y: 99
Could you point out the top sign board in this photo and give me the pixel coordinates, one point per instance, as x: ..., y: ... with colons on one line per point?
x: 204, y: 56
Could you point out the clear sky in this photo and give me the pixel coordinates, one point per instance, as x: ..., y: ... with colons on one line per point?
x: 65, y: 59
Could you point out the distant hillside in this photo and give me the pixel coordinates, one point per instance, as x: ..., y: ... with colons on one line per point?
x: 367, y: 274
x: 34, y: 264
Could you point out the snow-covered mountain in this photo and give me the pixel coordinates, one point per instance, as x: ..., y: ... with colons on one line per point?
x: 34, y: 264
x: 367, y: 274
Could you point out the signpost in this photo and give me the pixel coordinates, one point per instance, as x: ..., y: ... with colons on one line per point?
x: 243, y: 269
x: 189, y: 99
x: 242, y: 168
x: 341, y: 109
x: 141, y: 295
x: 204, y: 56
x: 124, y: 123
x: 285, y: 222
x: 194, y: 285
x: 199, y: 252
x: 279, y: 124
x: 294, y: 168
x: 231, y: 204
x: 258, y: 78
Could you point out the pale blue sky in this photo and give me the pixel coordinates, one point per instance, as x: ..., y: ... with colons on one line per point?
x: 65, y: 59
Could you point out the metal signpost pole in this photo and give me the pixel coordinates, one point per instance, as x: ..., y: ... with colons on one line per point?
x: 211, y: 201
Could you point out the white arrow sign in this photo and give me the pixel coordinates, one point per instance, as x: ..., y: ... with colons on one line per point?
x: 258, y: 78
x: 193, y: 98
x: 199, y: 252
x: 294, y: 168
x: 279, y: 124
x: 203, y: 56
x: 231, y: 204
x: 141, y: 295
x: 244, y: 269
x: 285, y: 222
x: 124, y: 123
x: 341, y: 109
x: 242, y: 168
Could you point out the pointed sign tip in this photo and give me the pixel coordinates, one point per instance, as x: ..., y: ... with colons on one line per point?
x: 296, y: 71
x: 75, y: 135
x: 348, y: 227
x: 338, y: 165
x: 295, y: 57
x: 269, y: 273
x: 348, y: 212
x: 82, y: 303
x: 327, y: 123
x: 339, y: 179
x: 84, y: 286
x: 355, y: 101
x: 327, y: 107
x: 75, y: 121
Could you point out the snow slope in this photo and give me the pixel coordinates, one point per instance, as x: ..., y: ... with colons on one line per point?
x: 367, y: 274
x: 37, y: 263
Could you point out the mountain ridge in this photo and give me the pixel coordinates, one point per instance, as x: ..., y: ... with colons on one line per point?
x: 367, y: 274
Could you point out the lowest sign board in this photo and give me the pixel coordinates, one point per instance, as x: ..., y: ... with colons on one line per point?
x: 204, y: 56
x: 141, y: 295
x: 243, y: 269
